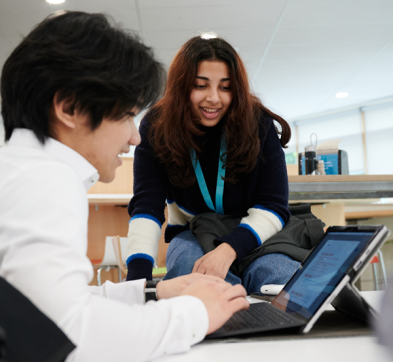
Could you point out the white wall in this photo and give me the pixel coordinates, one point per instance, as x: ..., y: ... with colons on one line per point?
x: 292, y: 143
x: 379, y: 140
x: 347, y: 126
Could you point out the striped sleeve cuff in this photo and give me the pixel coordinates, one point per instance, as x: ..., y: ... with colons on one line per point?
x: 254, y: 229
x: 139, y: 267
x: 262, y: 222
x: 144, y: 231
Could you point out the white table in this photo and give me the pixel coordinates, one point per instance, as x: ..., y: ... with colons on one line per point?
x: 348, y: 349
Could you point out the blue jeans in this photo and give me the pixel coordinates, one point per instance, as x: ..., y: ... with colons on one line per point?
x: 184, y: 250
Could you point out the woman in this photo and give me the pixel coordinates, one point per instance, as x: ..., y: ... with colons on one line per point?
x: 210, y: 139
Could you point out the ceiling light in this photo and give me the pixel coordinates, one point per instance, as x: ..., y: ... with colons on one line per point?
x: 55, y: 1
x: 341, y: 94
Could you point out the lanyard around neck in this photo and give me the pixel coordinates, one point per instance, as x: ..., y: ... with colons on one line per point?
x: 220, y: 182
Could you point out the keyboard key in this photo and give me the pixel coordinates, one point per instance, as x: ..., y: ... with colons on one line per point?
x: 258, y: 315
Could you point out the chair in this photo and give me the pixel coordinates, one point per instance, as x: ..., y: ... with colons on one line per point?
x: 119, y: 247
x: 109, y: 261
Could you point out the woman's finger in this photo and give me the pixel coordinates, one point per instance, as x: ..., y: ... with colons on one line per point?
x: 196, y: 265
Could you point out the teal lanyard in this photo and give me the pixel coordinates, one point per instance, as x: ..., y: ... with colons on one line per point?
x: 220, y: 182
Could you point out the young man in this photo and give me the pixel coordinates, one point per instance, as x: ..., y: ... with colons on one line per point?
x: 69, y: 93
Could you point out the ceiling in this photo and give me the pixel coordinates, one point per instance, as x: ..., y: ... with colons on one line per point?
x: 299, y: 53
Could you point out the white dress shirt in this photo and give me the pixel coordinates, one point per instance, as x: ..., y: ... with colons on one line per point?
x: 43, y: 244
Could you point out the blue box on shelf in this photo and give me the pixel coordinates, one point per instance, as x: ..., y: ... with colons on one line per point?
x: 336, y: 163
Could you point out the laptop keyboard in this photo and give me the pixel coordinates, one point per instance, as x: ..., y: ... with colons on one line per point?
x: 258, y: 315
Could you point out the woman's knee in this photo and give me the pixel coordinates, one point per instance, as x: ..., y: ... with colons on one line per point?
x: 183, y: 251
x: 270, y: 269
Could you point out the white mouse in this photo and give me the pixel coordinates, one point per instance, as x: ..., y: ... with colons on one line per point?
x: 271, y: 289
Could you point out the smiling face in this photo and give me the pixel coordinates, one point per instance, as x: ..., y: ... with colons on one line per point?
x: 211, y: 95
x: 103, y: 146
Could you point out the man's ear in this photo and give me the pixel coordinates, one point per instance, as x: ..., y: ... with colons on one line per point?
x: 64, y: 111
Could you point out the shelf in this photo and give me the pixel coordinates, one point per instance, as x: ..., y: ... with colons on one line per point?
x: 337, y: 188
x: 340, y: 187
x: 109, y: 199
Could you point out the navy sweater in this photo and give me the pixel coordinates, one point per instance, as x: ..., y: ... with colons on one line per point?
x: 260, y: 197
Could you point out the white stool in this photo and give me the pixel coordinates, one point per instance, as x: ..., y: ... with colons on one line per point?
x: 109, y: 261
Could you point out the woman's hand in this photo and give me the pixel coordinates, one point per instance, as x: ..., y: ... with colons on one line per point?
x: 216, y: 262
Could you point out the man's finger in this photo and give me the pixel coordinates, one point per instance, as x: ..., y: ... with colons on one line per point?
x: 235, y: 292
x: 238, y: 304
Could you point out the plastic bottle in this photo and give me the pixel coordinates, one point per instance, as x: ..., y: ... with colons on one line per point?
x: 321, y: 167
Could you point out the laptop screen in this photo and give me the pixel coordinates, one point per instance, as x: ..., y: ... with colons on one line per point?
x: 323, y: 270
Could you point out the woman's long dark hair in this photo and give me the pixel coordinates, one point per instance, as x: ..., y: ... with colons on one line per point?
x: 175, y: 129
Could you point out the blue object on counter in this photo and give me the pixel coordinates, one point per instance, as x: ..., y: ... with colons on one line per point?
x: 335, y: 163
x: 331, y: 163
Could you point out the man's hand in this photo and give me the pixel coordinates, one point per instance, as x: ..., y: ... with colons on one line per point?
x: 221, y: 300
x: 174, y: 287
x: 216, y: 262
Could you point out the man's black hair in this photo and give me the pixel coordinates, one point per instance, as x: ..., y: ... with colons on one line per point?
x: 107, y: 70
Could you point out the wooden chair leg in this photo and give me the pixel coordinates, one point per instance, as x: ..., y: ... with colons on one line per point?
x: 117, y: 248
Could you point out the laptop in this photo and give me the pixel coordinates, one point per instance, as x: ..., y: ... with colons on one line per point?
x: 337, y: 260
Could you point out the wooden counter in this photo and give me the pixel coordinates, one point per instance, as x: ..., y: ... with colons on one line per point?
x: 301, y: 188
x: 340, y: 187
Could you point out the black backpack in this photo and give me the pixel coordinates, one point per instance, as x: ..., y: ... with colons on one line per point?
x: 26, y: 334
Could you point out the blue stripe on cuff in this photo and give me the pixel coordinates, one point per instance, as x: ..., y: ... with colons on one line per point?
x: 140, y: 256
x: 184, y: 209
x: 248, y: 227
x: 146, y: 216
x: 177, y: 225
x: 181, y: 207
x: 274, y: 213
